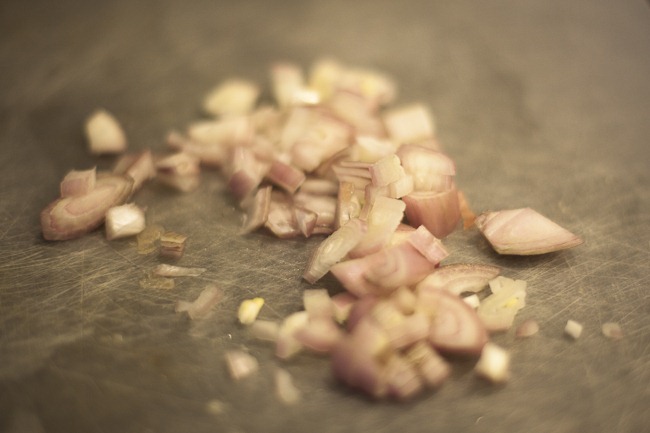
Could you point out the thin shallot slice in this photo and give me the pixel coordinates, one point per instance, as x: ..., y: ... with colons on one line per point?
x: 104, y: 133
x: 78, y: 182
x: 165, y: 270
x: 459, y: 278
x: 124, y: 221
x: 524, y: 232
x: 72, y: 217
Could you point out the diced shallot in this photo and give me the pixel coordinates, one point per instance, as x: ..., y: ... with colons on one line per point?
x: 437, y: 211
x: 78, y: 182
x: 494, y: 363
x: 233, y: 96
x: 612, y: 330
x: 285, y: 176
x: 265, y: 329
x: 409, y: 123
x: 124, y: 221
x: 180, y: 171
x: 257, y: 210
x: 104, y: 133
x: 241, y: 364
x: 432, y: 367
x: 573, y: 329
x: 139, y: 166
x: 333, y: 249
x: 524, y: 232
x: 527, y: 328
x: 172, y: 244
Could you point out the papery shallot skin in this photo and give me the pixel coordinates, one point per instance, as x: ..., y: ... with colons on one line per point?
x: 524, y: 232
x: 72, y: 217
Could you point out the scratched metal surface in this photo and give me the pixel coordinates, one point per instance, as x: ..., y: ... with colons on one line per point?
x: 541, y: 104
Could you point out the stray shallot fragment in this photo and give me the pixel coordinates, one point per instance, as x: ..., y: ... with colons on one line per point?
x: 460, y: 278
x: 201, y: 306
x: 164, y: 270
x: 285, y: 389
x: 528, y: 328
x: 180, y: 171
x: 240, y: 364
x: 104, y: 133
x: 172, y: 245
x: 265, y: 329
x: 249, y: 309
x: 78, y: 182
x: 612, y: 330
x: 524, y: 232
x: 140, y: 166
x: 149, y: 238
x: 157, y: 282
x: 124, y: 221
x: 573, y: 329
x: 494, y: 363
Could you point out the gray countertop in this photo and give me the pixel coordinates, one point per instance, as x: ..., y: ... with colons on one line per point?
x: 541, y: 104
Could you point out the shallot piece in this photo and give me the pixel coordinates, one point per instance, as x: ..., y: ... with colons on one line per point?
x: 432, y: 367
x: 155, y: 282
x: 573, y: 329
x: 467, y: 215
x: 459, y: 278
x: 410, y: 123
x: 494, y: 363
x: 257, y: 210
x: 124, y: 221
x: 456, y: 327
x: 249, y: 309
x: 524, y: 232
x: 234, y: 96
x: 165, y: 270
x: 528, y: 328
x: 180, y: 171
x: 612, y: 330
x: 437, y: 211
x: 104, y: 133
x: 241, y: 364
x: 286, y: 344
x: 78, y: 182
x: 334, y: 249
x: 497, y: 311
x: 149, y: 238
x: 265, y: 330
x: 139, y: 166
x: 72, y: 217
x: 172, y: 245
x: 201, y: 306
x: 285, y: 389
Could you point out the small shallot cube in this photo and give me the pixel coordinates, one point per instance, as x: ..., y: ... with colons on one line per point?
x: 172, y: 245
x: 409, y: 124
x: 234, y: 96
x: 494, y: 364
x: 265, y: 329
x: 573, y: 329
x: 241, y: 364
x: 612, y: 330
x: 104, y: 133
x: 124, y: 221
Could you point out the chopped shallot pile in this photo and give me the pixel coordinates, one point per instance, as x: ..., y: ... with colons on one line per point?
x: 331, y: 158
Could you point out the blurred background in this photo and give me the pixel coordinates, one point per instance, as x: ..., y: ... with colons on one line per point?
x: 541, y: 104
